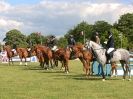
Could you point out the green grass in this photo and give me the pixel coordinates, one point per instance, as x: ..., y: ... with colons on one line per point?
x: 30, y: 82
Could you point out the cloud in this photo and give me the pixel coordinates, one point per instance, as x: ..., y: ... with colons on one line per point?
x: 57, y: 17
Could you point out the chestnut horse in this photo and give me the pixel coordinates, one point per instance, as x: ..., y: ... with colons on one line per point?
x: 62, y: 55
x: 85, y: 56
x: 10, y: 53
x: 23, y: 53
x: 44, y: 55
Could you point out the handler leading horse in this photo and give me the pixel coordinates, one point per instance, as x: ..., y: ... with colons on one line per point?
x: 121, y: 55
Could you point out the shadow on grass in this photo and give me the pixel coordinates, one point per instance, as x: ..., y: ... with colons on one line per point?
x: 83, y: 77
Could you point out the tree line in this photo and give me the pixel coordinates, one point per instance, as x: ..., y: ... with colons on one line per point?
x: 122, y: 31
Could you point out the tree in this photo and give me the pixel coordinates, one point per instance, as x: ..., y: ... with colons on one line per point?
x: 36, y: 38
x: 62, y: 42
x: 101, y: 26
x: 15, y: 36
x: 83, y: 27
x: 125, y: 26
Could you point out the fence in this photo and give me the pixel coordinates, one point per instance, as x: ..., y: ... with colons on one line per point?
x: 107, y: 68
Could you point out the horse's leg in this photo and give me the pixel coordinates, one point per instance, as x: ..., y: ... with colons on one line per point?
x: 25, y: 61
x: 124, y: 75
x: 67, y: 66
x: 112, y: 70
x: 12, y: 61
x: 115, y: 71
x: 103, y: 73
x: 87, y: 68
x: 20, y: 61
x: 51, y: 63
x: 83, y: 62
x: 128, y: 70
x: 9, y: 61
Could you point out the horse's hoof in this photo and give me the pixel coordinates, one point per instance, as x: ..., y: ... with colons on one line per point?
x: 103, y: 79
x: 111, y: 76
x: 67, y: 72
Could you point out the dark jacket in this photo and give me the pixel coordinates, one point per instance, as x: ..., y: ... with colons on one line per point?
x: 71, y: 41
x: 52, y: 42
x: 14, y: 46
x: 110, y: 43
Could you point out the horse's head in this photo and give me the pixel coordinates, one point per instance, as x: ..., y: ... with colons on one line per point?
x: 77, y: 50
x: 87, y: 44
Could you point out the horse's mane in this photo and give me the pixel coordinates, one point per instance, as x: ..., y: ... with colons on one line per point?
x: 94, y: 44
x: 79, y: 45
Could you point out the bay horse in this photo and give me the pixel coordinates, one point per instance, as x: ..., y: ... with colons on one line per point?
x: 44, y: 55
x: 85, y: 56
x: 10, y: 53
x: 121, y: 55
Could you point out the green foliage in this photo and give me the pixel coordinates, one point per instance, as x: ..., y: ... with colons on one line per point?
x: 101, y: 26
x: 76, y: 31
x: 125, y: 25
x: 36, y: 38
x: 62, y: 42
x: 15, y: 36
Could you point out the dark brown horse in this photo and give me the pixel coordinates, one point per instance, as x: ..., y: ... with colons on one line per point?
x: 85, y: 57
x: 44, y: 55
x: 10, y: 53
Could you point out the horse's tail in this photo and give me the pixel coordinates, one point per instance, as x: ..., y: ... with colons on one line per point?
x: 131, y: 56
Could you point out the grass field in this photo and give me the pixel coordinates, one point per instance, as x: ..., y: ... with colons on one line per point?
x: 31, y: 82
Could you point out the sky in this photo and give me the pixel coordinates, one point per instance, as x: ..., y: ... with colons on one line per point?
x: 57, y: 16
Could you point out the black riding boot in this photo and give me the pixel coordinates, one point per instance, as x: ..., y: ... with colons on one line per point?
x: 108, y: 59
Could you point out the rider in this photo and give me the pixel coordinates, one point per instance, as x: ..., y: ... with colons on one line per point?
x: 110, y: 46
x: 71, y: 41
x: 14, y: 47
x: 52, y: 43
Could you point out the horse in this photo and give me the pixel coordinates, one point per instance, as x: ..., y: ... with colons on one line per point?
x: 44, y: 55
x: 85, y: 56
x: 113, y: 69
x: 10, y: 53
x: 23, y: 53
x: 63, y: 55
x: 121, y: 55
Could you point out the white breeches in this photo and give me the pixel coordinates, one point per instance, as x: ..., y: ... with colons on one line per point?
x: 54, y: 48
x: 110, y: 50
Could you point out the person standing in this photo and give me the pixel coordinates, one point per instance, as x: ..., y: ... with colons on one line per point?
x: 97, y: 40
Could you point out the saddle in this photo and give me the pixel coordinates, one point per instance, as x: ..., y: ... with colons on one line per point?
x: 111, y: 53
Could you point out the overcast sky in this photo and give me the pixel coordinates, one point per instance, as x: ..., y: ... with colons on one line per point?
x: 57, y: 16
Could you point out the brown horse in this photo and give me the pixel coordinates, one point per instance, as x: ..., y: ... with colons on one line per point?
x: 44, y: 55
x: 9, y: 51
x: 113, y: 69
x: 63, y: 55
x: 85, y: 57
x: 23, y: 53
